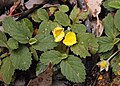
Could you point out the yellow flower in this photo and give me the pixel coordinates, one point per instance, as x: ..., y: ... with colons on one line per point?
x: 119, y: 64
x: 70, y: 39
x: 58, y: 34
x: 118, y: 72
x: 104, y: 64
x: 100, y: 77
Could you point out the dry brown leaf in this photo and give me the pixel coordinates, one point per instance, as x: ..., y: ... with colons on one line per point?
x: 97, y: 27
x: 44, y: 79
x: 29, y: 4
x: 12, y: 9
x: 95, y: 7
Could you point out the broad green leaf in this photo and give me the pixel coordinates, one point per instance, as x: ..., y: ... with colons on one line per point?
x: 117, y: 20
x: 64, y: 8
x: 12, y: 43
x: 74, y: 14
x: 73, y: 69
x: 105, y: 44
x: 114, y: 4
x: 42, y: 14
x: 44, y: 43
x: 7, y: 70
x: 32, y: 41
x: 40, y: 68
x: 115, y: 64
x: 81, y: 50
x: 35, y: 17
x: 46, y: 27
x: 78, y: 28
x: 21, y: 58
x: 26, y: 22
x: 105, y: 4
x: 52, y: 56
x: 106, y: 55
x: 85, y: 41
x: 116, y: 40
x: 34, y: 53
x: 62, y: 18
x: 110, y: 29
x: 92, y: 44
x: 84, y: 14
x: 3, y: 39
x: 118, y: 45
x: 17, y: 30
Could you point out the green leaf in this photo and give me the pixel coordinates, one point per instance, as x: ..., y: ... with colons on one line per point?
x: 32, y: 41
x: 81, y: 50
x: 117, y: 20
x: 17, y: 30
x: 26, y: 22
x: 52, y: 56
x: 105, y: 44
x: 7, y: 70
x: 118, y: 45
x: 21, y: 58
x: 116, y: 40
x: 35, y: 17
x: 73, y: 69
x: 78, y: 28
x: 12, y: 43
x: 110, y: 29
x: 42, y: 14
x: 85, y: 41
x: 114, y: 4
x: 33, y: 51
x: 115, y: 64
x: 40, y: 68
x: 44, y: 43
x: 84, y: 14
x: 64, y: 8
x: 106, y: 55
x: 46, y: 27
x: 62, y: 18
x: 3, y: 39
x: 105, y: 4
x: 93, y: 44
x: 74, y: 14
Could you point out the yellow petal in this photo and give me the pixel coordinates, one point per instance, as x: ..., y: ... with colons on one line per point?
x: 118, y: 72
x: 119, y: 64
x: 100, y: 77
x: 70, y: 39
x: 58, y: 34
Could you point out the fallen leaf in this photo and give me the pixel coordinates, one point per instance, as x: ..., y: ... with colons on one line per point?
x: 44, y: 79
x: 94, y: 6
x: 29, y: 4
x: 97, y: 27
x: 12, y: 9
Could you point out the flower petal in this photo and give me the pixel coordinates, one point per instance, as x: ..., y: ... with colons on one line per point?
x: 103, y: 65
x: 70, y: 39
x: 58, y: 34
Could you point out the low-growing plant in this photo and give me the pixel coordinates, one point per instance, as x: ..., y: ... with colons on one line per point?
x: 61, y: 39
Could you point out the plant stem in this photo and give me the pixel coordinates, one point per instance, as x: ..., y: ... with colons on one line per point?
x: 112, y: 55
